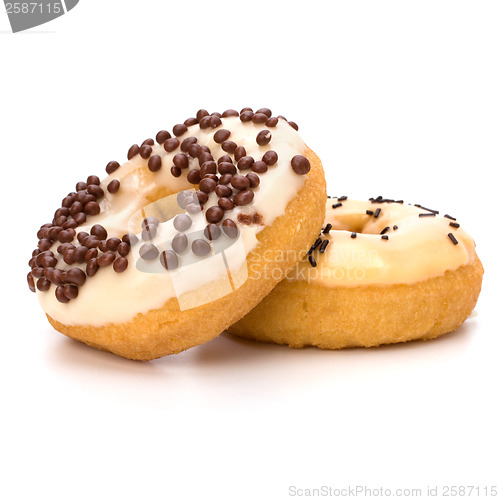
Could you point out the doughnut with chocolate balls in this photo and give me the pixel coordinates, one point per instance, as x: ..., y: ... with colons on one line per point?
x: 380, y: 272
x: 184, y: 238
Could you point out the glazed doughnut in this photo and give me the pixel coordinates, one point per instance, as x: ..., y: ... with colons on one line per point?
x: 166, y: 252
x: 380, y: 272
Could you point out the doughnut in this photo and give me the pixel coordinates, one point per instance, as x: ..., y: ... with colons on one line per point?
x: 380, y: 272
x: 180, y: 241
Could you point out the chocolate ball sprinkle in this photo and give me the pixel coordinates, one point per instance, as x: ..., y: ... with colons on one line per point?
x: 194, y: 176
x: 208, y: 167
x: 106, y: 259
x: 130, y: 238
x: 226, y: 168
x: 92, y: 208
x: 133, y: 151
x: 265, y: 111
x: 272, y: 122
x: 215, y: 121
x: 43, y: 284
x: 148, y: 251
x: 223, y: 191
x: 120, y: 264
x: 202, y: 197
x: 80, y: 253
x: 113, y: 186
x: 229, y: 146
x: 31, y: 282
x: 93, y: 180
x: 179, y: 242
x: 112, y: 166
x: 60, y: 295
x: 171, y: 144
x: 182, y: 222
x: 92, y: 267
x: 201, y: 248
x: 154, y: 164
x: 229, y: 228
x: 240, y: 182
x: 70, y: 291
x: 259, y: 118
x: 226, y: 203
x: 179, y: 129
x: 300, y: 164
x: 194, y: 150
x: 254, y: 179
x: 190, y: 122
x: 229, y: 112
x: 263, y: 137
x: 187, y: 143
x: 123, y: 249
x: 204, y: 122
x: 207, y: 185
x: 225, y: 179
x: 98, y: 231
x: 244, y: 197
x: 169, y: 260
x: 214, y: 214
x: 246, y: 116
x: 175, y: 171
x: 239, y: 153
x: 96, y: 191
x: 65, y: 236
x: 162, y: 136
x: 260, y: 167
x: 245, y: 163
x: 145, y: 151
x: 201, y: 114
x: 212, y: 232
x: 181, y: 160
x: 75, y: 276
x: 147, y: 222
x: 221, y: 136
x: 112, y: 244
x: 224, y: 159
x: 270, y: 158
x: 184, y: 198
x: 294, y: 125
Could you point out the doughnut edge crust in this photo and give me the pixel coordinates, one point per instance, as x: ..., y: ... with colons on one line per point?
x: 169, y: 330
x: 300, y: 314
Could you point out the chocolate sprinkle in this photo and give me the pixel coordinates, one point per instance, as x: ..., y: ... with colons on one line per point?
x: 323, y: 246
x: 300, y: 164
x: 453, y: 238
x: 337, y: 205
x: 200, y: 248
x: 454, y: 224
x: 327, y: 228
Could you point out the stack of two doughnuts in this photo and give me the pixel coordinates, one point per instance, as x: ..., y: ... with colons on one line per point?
x: 194, y: 234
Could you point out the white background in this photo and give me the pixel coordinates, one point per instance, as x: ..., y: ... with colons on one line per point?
x: 397, y: 98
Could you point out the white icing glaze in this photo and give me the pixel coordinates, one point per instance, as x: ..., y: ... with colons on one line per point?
x: 418, y: 250
x: 110, y: 297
